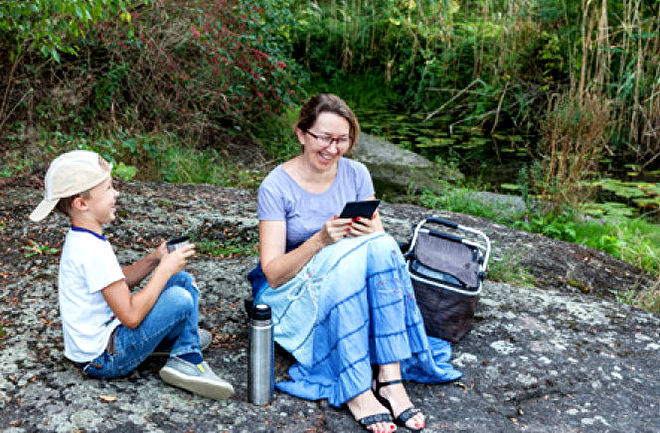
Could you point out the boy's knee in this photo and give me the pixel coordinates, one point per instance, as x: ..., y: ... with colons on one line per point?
x: 183, y: 279
x: 178, y: 299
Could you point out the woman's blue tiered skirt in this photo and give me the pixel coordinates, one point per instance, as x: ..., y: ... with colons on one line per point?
x: 352, y: 306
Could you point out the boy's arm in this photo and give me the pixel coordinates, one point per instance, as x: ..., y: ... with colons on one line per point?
x: 138, y: 271
x: 131, y: 309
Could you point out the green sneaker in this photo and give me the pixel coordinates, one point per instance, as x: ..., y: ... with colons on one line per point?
x: 199, y: 379
x: 204, y: 342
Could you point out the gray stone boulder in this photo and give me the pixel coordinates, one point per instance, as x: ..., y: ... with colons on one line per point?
x: 398, y: 171
x: 562, y: 356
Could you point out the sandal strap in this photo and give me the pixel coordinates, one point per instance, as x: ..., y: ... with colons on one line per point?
x: 407, y: 414
x: 380, y: 385
x: 373, y: 419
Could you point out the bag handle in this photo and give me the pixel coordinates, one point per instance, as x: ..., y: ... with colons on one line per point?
x: 433, y: 219
x: 442, y: 221
x: 447, y: 236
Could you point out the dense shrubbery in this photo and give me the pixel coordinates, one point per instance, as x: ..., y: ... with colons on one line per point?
x: 199, y: 66
x: 202, y: 69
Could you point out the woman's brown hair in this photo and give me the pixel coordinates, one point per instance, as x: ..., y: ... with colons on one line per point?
x: 328, y: 103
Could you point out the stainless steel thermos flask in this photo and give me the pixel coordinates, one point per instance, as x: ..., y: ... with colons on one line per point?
x: 260, y: 355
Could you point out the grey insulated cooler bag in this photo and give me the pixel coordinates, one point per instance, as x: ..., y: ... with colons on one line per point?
x: 447, y: 273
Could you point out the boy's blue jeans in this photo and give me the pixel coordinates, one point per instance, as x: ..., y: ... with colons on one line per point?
x: 171, y: 324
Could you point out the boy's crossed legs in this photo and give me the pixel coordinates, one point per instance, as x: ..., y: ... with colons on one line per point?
x: 171, y: 323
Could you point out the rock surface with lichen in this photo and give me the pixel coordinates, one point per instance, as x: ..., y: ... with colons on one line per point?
x: 562, y: 356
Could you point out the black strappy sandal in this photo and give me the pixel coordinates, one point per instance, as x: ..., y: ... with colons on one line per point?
x: 373, y: 419
x: 405, y: 415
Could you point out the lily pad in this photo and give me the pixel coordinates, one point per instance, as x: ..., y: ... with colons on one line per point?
x: 651, y: 189
x: 609, y: 209
x: 478, y: 141
x: 648, y: 203
x: 621, y: 189
x: 510, y: 186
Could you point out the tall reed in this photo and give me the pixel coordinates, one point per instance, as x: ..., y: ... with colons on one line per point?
x: 525, y: 51
x: 575, y: 134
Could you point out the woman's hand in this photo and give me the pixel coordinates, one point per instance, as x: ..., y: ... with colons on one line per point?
x: 363, y: 226
x: 335, y: 230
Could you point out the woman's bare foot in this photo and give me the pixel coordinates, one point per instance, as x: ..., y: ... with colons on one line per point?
x: 397, y: 396
x: 365, y: 405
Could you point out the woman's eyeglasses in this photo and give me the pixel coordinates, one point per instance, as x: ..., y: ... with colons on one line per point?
x: 327, y: 140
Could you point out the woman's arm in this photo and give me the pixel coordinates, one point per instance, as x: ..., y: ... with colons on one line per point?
x: 131, y: 309
x: 280, y: 267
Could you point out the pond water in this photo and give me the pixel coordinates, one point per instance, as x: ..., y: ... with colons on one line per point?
x: 492, y: 161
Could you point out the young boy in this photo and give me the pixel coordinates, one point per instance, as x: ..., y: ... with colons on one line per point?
x: 107, y: 330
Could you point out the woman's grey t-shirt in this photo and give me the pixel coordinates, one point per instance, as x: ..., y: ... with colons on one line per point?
x: 282, y: 199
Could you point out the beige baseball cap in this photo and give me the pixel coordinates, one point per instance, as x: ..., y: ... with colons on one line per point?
x: 69, y: 174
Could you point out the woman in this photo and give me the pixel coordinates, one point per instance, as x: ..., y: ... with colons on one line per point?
x: 342, y: 300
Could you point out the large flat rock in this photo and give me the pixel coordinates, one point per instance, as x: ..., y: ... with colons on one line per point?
x: 396, y: 171
x: 548, y: 359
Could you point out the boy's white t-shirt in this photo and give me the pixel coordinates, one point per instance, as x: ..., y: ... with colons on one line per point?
x: 88, y: 264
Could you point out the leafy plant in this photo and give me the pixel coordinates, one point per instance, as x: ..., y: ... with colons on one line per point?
x: 225, y: 249
x: 650, y: 300
x: 509, y: 269
x: 34, y: 248
x: 125, y: 172
x: 51, y: 28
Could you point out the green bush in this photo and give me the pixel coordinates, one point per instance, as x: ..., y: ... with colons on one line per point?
x: 202, y: 69
x: 53, y: 27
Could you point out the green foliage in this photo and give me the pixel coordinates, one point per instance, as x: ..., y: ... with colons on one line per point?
x: 156, y: 158
x: 34, y: 248
x: 2, y: 331
x: 275, y: 134
x: 200, y: 69
x: 108, y: 85
x: 523, y: 53
x: 125, y: 172
x: 560, y: 226
x: 188, y: 165
x: 225, y: 249
x: 52, y: 27
x: 633, y: 240
x: 462, y: 200
x: 509, y: 269
x: 14, y: 163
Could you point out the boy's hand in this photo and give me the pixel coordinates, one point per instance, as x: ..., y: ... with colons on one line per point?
x: 160, y: 252
x: 176, y: 260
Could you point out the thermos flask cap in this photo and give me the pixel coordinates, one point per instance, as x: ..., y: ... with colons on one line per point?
x: 261, y: 312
